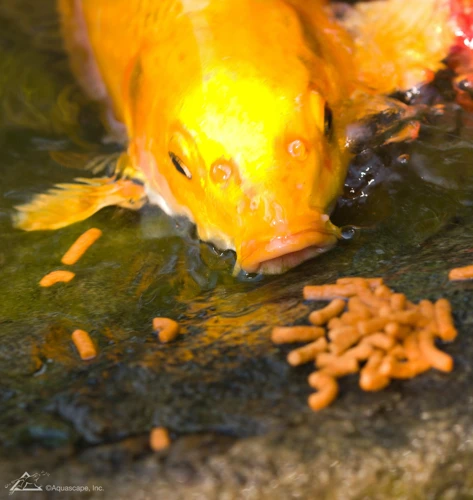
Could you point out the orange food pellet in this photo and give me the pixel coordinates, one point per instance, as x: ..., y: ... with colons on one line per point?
x: 393, y: 335
x: 398, y: 352
x: 443, y: 315
x: 371, y: 379
x: 405, y: 317
x: 363, y: 282
x: 385, y: 311
x: 159, y: 439
x: 80, y: 246
x: 328, y: 291
x: 343, y: 338
x: 341, y: 366
x: 324, y: 359
x: 393, y: 368
x: 411, y: 347
x: 288, y: 334
x: 360, y: 352
x: 461, y: 273
x: 372, y: 325
x: 356, y: 306
x: 382, y: 292
x: 369, y: 299
x: 167, y: 329
x: 397, y: 331
x: 56, y: 277
x: 437, y: 358
x: 378, y: 341
x: 351, y: 318
x: 84, y: 344
x: 327, y: 390
x: 335, y: 323
x: 398, y: 301
x: 321, y: 316
x: 306, y: 353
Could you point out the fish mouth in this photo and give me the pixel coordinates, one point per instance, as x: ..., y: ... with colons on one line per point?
x: 279, y: 254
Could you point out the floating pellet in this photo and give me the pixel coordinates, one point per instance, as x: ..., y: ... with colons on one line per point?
x: 327, y: 390
x: 159, y: 439
x: 289, y: 334
x: 443, y: 315
x: 321, y: 316
x: 461, y: 273
x: 167, y: 329
x: 84, y: 344
x: 307, y: 353
x: 56, y: 277
x: 80, y: 246
x: 437, y: 358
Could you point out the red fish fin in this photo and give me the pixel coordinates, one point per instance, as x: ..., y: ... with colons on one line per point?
x: 399, y: 44
x: 68, y: 203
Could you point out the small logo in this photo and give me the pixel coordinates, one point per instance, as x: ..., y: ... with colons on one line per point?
x: 27, y: 482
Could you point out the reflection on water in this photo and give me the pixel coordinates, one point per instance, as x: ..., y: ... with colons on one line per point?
x: 148, y: 264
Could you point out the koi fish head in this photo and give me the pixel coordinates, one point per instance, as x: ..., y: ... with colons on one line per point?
x: 247, y: 148
x: 255, y: 169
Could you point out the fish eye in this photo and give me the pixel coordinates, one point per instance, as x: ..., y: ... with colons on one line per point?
x: 179, y: 165
x: 328, y: 120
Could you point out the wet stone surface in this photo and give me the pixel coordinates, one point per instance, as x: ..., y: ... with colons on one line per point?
x: 235, y: 410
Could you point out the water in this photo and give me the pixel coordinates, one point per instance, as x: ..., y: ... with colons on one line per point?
x: 406, y: 201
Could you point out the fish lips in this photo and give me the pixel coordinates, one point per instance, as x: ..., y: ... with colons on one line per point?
x: 281, y: 253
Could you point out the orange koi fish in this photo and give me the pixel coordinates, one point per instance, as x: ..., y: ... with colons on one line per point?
x: 236, y: 114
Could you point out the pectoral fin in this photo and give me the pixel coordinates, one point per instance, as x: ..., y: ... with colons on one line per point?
x: 68, y: 203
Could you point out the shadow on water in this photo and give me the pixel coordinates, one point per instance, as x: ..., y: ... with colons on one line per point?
x: 411, y: 203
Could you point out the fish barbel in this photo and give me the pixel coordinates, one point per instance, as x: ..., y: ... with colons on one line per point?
x: 236, y: 114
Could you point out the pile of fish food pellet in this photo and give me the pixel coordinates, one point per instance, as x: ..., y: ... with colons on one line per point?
x: 367, y: 328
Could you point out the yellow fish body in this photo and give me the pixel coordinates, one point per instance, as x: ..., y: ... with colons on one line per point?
x: 235, y: 113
